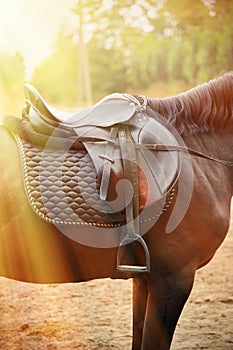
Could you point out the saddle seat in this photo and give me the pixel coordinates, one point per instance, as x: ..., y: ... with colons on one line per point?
x: 123, y: 142
x: 112, y: 109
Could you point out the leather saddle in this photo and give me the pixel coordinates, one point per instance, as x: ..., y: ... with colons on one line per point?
x: 124, y: 144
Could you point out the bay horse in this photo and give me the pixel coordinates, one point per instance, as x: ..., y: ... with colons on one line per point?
x: 184, y: 238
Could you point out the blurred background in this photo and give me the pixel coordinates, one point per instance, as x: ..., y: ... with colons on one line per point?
x: 75, y: 52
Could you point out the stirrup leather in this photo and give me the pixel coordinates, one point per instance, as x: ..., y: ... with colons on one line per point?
x: 129, y: 159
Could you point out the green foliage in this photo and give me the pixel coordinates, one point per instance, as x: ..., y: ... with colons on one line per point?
x: 134, y: 45
x: 107, y: 68
x: 57, y: 75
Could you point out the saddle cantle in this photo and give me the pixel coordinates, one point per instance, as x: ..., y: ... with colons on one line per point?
x: 102, y: 167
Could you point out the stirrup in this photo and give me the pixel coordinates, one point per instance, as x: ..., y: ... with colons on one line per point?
x: 133, y: 268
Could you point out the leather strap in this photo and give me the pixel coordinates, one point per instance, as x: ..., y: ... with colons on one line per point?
x: 130, y: 173
x: 133, y: 171
x: 134, y: 179
x: 158, y: 147
x: 108, y: 160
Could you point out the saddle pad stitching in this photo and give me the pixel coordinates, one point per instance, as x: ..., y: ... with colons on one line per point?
x: 33, y: 203
x: 76, y: 223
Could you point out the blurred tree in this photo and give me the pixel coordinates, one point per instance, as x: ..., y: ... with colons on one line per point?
x: 57, y: 75
x: 163, y: 39
x: 132, y: 45
x: 119, y: 31
x: 108, y: 69
x: 84, y: 81
x: 222, y: 24
x: 12, y: 75
x: 206, y: 30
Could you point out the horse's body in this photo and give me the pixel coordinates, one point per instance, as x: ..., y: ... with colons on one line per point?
x: 35, y: 251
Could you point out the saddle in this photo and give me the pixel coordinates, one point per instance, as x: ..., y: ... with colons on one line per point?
x: 114, y: 151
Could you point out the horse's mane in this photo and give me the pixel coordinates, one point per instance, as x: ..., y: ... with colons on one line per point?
x: 209, y: 106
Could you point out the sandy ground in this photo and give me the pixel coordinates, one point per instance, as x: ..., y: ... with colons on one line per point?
x: 97, y: 315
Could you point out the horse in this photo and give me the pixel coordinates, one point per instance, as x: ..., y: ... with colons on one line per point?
x: 183, y: 239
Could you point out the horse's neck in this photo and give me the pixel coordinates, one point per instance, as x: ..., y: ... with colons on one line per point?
x: 218, y: 145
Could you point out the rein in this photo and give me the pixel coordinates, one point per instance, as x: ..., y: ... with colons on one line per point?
x: 163, y: 148
x: 183, y: 149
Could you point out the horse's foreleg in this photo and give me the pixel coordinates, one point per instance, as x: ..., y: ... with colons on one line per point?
x: 166, y: 298
x: 139, y: 309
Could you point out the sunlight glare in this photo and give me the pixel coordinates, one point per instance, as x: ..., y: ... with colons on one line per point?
x: 30, y: 26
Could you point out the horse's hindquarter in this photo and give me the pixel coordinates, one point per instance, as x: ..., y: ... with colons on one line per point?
x: 31, y: 249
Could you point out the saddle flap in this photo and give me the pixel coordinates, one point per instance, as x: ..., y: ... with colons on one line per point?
x: 161, y: 168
